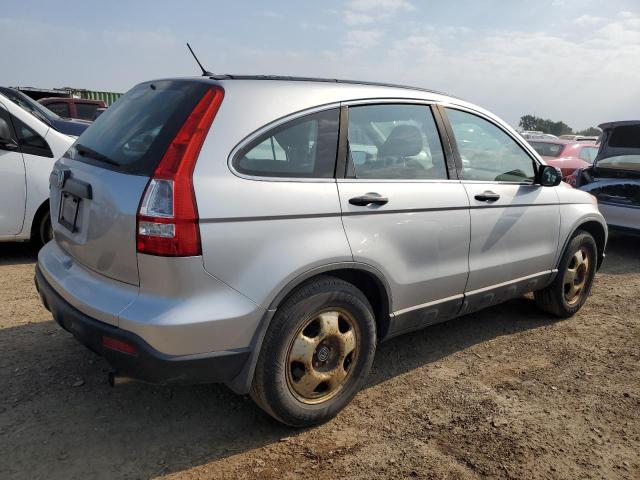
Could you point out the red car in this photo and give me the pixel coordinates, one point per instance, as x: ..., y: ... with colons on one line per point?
x: 81, y: 108
x: 568, y: 156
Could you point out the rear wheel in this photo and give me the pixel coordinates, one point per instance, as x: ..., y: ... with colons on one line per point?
x: 316, y: 353
x: 571, y: 287
x: 44, y: 231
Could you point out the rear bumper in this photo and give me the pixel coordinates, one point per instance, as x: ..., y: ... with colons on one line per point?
x: 147, y: 364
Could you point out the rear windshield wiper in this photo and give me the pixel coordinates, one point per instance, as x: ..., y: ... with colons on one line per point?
x: 91, y: 153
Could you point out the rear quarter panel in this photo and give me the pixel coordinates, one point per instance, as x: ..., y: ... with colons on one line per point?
x: 258, y: 235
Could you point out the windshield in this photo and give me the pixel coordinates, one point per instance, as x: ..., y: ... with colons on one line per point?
x: 548, y: 149
x: 133, y: 134
x: 30, y: 105
x: 588, y: 154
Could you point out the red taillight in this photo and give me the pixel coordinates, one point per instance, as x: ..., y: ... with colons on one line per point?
x: 167, y: 221
x: 118, y: 345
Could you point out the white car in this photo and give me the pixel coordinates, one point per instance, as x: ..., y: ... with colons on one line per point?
x: 28, y: 150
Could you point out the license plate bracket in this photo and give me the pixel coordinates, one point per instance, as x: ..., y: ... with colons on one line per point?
x: 69, y: 207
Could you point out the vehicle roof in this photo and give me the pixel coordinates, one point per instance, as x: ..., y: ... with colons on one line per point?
x: 287, y: 95
x: 326, y: 84
x: 323, y: 80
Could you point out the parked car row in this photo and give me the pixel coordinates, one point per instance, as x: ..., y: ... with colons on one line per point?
x: 580, y: 138
x: 609, y: 169
x: 537, y: 135
x: 81, y: 108
x: 566, y: 155
x: 272, y: 251
x: 68, y: 126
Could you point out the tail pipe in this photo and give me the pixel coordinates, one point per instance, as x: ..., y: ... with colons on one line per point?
x: 115, y: 380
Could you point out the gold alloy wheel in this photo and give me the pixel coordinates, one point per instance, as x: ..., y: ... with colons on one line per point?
x: 575, y: 278
x: 322, y: 355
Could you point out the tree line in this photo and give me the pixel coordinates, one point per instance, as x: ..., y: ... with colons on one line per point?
x: 545, y: 125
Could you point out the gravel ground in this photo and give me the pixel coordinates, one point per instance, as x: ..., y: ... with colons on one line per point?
x: 504, y: 393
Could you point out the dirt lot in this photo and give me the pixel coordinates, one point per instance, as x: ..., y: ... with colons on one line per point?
x: 504, y: 393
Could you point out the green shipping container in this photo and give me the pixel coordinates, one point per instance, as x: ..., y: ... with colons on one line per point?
x: 106, y: 97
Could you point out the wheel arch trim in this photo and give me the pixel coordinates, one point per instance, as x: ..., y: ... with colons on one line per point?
x: 241, y: 384
x: 327, y: 269
x: 592, y: 221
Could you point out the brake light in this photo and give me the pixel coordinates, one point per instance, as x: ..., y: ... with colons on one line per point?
x: 167, y: 220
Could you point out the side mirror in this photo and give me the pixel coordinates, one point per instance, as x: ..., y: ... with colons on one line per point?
x: 5, y: 136
x: 549, y: 176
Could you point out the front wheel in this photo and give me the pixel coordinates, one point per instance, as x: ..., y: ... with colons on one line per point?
x: 571, y: 287
x: 316, y: 353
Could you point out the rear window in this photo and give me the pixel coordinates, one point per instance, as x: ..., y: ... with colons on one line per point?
x: 60, y: 108
x: 133, y: 134
x: 302, y: 148
x: 547, y: 149
x: 86, y: 111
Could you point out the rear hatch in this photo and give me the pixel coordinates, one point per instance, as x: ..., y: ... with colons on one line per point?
x: 619, y: 153
x: 97, y: 186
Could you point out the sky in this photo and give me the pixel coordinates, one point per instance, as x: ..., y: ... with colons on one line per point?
x: 572, y: 60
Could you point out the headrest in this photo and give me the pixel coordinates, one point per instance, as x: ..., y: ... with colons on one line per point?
x: 403, y: 141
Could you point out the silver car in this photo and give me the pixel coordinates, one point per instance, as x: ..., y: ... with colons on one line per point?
x: 269, y: 232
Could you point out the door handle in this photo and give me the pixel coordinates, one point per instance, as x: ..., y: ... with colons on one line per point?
x: 487, y: 196
x: 370, y: 198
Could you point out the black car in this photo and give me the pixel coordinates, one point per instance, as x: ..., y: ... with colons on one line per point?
x: 67, y: 126
x: 614, y: 177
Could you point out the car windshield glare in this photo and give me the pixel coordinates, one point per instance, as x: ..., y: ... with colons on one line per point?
x: 548, y: 149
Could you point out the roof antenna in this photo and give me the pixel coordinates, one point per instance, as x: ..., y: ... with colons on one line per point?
x: 205, y: 73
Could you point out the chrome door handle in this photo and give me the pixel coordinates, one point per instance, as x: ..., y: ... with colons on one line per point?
x: 370, y: 198
x: 487, y: 196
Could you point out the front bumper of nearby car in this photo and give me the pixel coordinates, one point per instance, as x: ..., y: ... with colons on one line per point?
x: 129, y: 355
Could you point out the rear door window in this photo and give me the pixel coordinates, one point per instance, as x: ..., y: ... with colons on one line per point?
x: 398, y: 142
x: 133, y: 134
x: 302, y: 148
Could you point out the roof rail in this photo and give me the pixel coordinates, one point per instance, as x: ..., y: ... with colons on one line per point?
x: 326, y: 80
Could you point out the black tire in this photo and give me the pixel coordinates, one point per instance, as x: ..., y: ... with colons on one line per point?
x: 272, y: 387
x: 43, y: 232
x: 554, y: 298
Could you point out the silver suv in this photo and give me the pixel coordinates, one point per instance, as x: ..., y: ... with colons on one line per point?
x: 269, y: 232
